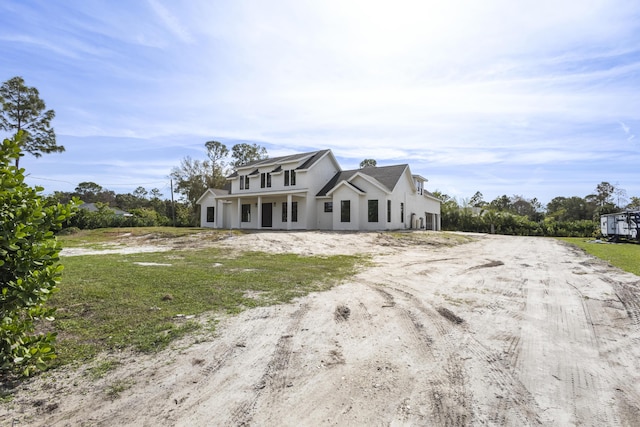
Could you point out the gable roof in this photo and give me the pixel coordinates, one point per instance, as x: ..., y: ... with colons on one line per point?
x: 347, y: 184
x: 308, y: 160
x: 313, y: 159
x: 215, y: 192
x: 388, y: 176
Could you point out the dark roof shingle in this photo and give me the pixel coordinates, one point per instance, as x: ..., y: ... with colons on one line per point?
x: 386, y: 175
x: 313, y: 157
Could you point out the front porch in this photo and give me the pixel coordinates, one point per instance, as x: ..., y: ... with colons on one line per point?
x: 277, y: 211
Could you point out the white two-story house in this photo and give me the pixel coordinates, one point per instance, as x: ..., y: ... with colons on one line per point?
x: 309, y: 191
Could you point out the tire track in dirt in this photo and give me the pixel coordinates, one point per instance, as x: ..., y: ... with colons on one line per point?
x: 450, y: 400
x: 444, y: 383
x: 508, y: 302
x: 629, y: 295
x: 580, y: 327
x: 274, y: 379
x: 513, y: 403
x: 556, y: 365
x: 225, y: 350
x: 563, y: 365
x: 348, y: 365
x: 445, y: 389
x: 512, y: 351
x: 419, y: 337
x: 505, y: 400
x: 628, y: 302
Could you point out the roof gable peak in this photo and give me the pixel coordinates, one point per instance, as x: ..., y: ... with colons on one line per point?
x: 302, y: 160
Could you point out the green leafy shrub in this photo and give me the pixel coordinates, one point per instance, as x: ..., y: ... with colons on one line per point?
x: 105, y: 217
x: 29, y: 268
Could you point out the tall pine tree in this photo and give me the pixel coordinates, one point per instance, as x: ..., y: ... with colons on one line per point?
x: 23, y: 110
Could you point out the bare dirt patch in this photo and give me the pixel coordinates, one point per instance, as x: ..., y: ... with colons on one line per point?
x: 302, y: 243
x: 499, y: 331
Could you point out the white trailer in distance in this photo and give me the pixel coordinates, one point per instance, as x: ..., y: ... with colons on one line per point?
x: 621, y: 225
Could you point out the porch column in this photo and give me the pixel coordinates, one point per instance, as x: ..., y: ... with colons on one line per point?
x: 289, y: 199
x: 259, y: 219
x: 239, y: 216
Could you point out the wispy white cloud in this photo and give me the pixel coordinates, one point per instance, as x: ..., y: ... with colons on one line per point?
x: 39, y: 43
x: 170, y: 21
x: 627, y: 130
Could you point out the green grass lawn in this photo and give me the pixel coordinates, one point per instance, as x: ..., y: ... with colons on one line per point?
x: 623, y: 255
x: 100, y: 237
x: 144, y: 301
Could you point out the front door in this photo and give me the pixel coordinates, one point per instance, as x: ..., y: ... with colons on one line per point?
x: 267, y: 214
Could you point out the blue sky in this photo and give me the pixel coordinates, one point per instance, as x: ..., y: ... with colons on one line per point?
x: 533, y: 98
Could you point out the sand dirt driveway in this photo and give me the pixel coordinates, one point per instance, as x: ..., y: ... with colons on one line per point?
x: 509, y: 331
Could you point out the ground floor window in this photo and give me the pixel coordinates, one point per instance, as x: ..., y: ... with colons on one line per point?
x: 401, y: 212
x: 388, y: 210
x: 373, y: 210
x: 246, y: 213
x: 294, y: 211
x: 328, y: 206
x: 211, y: 217
x: 345, y: 211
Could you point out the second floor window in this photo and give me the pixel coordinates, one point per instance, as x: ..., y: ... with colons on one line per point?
x: 289, y: 177
x: 244, y: 182
x: 265, y: 180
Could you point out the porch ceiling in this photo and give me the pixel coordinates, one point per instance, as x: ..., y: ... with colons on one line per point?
x: 263, y: 195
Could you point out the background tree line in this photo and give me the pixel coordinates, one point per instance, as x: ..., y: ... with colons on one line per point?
x: 149, y: 208
x: 563, y: 216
